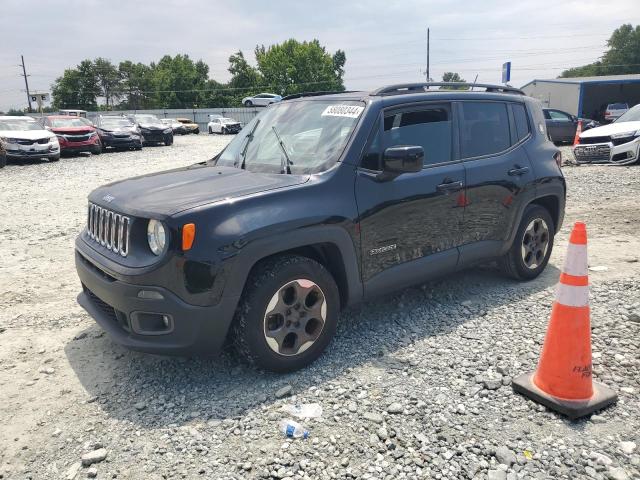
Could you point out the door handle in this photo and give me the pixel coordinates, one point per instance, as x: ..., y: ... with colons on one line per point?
x: 518, y: 170
x: 449, y: 186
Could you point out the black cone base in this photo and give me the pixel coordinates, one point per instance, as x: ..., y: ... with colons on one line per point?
x: 602, y: 397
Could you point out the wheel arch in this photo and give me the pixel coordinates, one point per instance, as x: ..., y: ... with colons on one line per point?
x: 551, y: 203
x: 331, y: 246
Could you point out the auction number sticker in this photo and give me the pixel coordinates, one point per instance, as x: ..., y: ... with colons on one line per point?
x: 349, y: 111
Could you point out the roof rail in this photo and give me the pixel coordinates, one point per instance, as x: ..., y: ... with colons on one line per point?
x: 314, y: 94
x: 423, y: 87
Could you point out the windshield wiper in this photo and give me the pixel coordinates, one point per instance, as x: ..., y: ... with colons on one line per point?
x: 286, y: 161
x: 249, y: 138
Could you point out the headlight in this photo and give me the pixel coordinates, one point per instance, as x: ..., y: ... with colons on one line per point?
x: 11, y: 140
x: 624, y: 135
x: 156, y: 236
x: 168, y: 130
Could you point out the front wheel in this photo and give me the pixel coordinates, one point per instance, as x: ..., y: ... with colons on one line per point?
x: 3, y: 161
x: 55, y: 158
x: 224, y: 131
x: 287, y: 315
x: 531, y: 249
x: 210, y: 131
x: 168, y: 140
x: 248, y: 103
x: 197, y: 131
x: 97, y: 150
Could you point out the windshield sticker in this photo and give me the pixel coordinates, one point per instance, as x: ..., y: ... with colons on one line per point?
x: 350, y: 111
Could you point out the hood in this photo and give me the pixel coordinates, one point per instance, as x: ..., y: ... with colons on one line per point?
x: 73, y: 130
x: 612, y: 128
x: 154, y: 125
x: 120, y: 130
x: 26, y: 134
x: 173, y: 191
x: 231, y: 122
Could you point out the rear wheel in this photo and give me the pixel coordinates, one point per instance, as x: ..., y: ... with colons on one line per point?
x: 287, y: 315
x: 248, y: 103
x: 531, y: 249
x: 197, y: 131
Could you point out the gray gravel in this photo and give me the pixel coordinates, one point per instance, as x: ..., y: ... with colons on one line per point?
x: 416, y: 385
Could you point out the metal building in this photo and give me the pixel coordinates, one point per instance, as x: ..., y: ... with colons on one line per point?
x: 585, y: 96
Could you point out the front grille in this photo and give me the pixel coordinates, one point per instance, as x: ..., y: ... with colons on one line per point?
x: 77, y: 138
x: 109, y: 229
x: 594, y: 140
x: 592, y: 153
x: 41, y: 141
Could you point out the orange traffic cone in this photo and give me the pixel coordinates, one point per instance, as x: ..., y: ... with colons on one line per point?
x: 576, y: 139
x: 563, y: 379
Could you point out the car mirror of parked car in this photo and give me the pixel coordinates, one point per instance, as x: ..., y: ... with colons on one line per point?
x: 403, y: 159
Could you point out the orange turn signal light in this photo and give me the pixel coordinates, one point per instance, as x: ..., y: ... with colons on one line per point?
x: 188, y: 235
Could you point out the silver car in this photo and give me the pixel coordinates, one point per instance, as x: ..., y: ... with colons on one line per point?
x: 261, y: 100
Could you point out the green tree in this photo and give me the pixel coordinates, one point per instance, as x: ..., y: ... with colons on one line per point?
x: 108, y: 79
x: 77, y: 88
x: 295, y: 67
x: 622, y: 56
x: 179, y: 82
x: 453, y: 77
x: 136, y: 86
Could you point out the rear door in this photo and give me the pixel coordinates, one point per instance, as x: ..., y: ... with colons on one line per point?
x: 411, y: 225
x: 499, y: 175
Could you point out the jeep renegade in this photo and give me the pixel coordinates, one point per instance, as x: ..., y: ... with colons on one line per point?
x: 320, y: 202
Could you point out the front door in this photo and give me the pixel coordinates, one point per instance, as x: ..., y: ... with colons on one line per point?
x: 411, y: 224
x: 561, y: 126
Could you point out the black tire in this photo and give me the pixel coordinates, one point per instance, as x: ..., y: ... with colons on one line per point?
x: 3, y: 161
x: 54, y: 159
x: 168, y: 140
x: 197, y: 131
x: 210, y: 131
x: 514, y: 262
x: 248, y: 103
x: 265, y: 281
x: 97, y: 150
x: 224, y: 131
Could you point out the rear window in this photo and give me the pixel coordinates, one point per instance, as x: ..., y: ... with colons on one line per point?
x: 521, y: 120
x: 485, y: 128
x: 617, y: 106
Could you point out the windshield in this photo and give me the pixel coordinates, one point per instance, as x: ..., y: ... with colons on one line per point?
x: 146, y: 119
x: 115, y: 122
x: 67, y: 122
x: 632, y: 115
x: 227, y: 120
x: 313, y: 133
x: 19, y: 124
x: 617, y: 106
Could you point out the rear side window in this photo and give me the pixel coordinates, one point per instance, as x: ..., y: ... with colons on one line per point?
x: 427, y: 127
x: 521, y: 120
x: 485, y: 128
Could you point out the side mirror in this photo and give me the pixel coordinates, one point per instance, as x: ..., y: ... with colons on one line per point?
x: 403, y: 159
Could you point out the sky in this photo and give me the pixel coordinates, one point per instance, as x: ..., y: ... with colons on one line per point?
x: 384, y: 40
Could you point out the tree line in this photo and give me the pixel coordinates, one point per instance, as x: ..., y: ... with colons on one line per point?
x: 622, y: 56
x: 180, y: 82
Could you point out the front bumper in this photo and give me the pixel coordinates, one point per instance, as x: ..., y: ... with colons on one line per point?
x: 122, y: 142
x: 33, y: 153
x: 117, y: 308
x: 624, y: 154
x: 154, y: 136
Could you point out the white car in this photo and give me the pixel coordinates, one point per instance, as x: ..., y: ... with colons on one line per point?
x: 618, y: 142
x: 261, y: 100
x: 614, y: 111
x: 224, y: 125
x: 25, y: 138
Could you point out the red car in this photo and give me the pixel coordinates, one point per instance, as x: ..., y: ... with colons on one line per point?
x: 74, y: 134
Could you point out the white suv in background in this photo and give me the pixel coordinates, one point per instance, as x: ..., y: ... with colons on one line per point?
x: 614, y: 111
x: 617, y: 142
x: 261, y: 100
x: 23, y: 137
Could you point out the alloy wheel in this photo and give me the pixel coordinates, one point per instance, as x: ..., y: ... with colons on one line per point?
x: 295, y: 317
x: 535, y: 243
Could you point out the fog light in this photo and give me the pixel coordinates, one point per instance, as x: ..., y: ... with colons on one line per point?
x: 150, y: 295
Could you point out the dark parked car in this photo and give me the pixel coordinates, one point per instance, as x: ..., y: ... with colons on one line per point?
x: 319, y: 203
x: 562, y: 125
x: 152, y: 129
x: 75, y: 135
x: 118, y: 132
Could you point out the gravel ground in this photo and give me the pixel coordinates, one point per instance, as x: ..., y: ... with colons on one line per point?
x: 416, y: 385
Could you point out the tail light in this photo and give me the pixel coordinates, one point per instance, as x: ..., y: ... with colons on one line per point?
x: 558, y: 158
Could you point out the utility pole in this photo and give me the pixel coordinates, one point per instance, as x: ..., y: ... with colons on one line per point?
x: 428, y: 76
x: 26, y: 82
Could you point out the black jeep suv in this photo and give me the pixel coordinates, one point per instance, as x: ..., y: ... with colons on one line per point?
x: 320, y: 202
